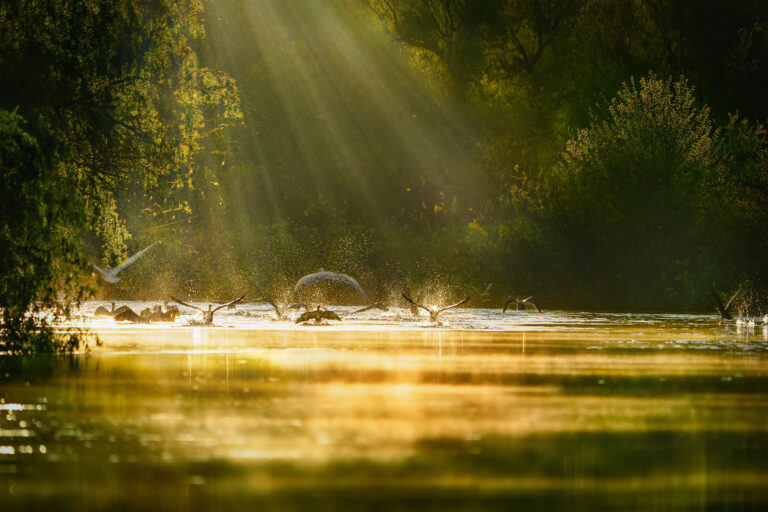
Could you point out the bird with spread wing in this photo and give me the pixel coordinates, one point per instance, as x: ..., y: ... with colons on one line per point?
x: 318, y: 315
x: 725, y: 315
x: 324, y: 276
x: 110, y: 274
x: 208, y: 314
x: 281, y: 309
x: 530, y: 301
x: 433, y: 311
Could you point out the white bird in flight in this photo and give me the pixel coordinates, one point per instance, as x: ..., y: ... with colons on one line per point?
x: 110, y: 274
x: 322, y: 275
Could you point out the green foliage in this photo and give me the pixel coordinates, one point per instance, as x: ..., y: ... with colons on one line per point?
x: 734, y: 201
x: 35, y: 249
x: 626, y: 190
x: 117, y: 108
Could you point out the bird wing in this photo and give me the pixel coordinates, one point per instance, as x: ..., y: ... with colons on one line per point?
x: 121, y: 309
x: 731, y: 300
x: 130, y: 261
x: 107, y: 274
x: 329, y: 315
x: 185, y: 304
x: 718, y: 301
x: 229, y: 303
x: 507, y: 302
x: 304, y: 317
x: 453, y: 305
x: 317, y: 277
x: 532, y: 302
x: 415, y: 303
x: 126, y: 315
x: 98, y: 269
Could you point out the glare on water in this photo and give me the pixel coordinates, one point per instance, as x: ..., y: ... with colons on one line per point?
x: 483, y: 411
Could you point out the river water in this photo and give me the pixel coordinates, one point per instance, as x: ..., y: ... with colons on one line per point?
x: 552, y: 411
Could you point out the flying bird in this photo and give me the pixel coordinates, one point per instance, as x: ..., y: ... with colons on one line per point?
x: 723, y: 310
x: 432, y: 310
x: 208, y: 314
x: 321, y: 275
x: 530, y: 301
x: 318, y: 315
x: 110, y: 274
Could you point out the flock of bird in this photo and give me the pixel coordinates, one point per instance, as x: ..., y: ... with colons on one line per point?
x: 313, y: 311
x: 319, y: 314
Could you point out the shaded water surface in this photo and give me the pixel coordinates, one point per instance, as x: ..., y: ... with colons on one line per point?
x: 556, y: 411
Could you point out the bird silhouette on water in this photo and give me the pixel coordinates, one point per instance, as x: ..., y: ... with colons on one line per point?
x: 129, y: 315
x: 318, y: 315
x: 530, y: 301
x: 208, y: 313
x: 102, y: 311
x: 725, y: 314
x: 168, y: 315
x: 433, y: 311
x: 281, y: 310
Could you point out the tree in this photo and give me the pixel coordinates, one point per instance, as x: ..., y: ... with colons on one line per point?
x: 113, y: 98
x: 627, y: 190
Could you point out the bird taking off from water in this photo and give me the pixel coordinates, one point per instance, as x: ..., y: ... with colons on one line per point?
x: 723, y: 310
x: 208, y: 314
x: 321, y: 276
x: 433, y: 311
x: 110, y: 274
x: 530, y: 301
x: 318, y: 315
x: 281, y: 310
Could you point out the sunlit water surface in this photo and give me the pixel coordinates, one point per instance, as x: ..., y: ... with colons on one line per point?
x: 487, y: 411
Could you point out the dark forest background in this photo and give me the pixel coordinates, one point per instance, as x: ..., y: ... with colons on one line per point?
x: 598, y: 154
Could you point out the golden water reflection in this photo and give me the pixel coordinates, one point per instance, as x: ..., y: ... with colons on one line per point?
x: 612, y: 417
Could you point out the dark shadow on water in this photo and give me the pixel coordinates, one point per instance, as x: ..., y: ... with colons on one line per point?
x: 658, y: 470
x: 39, y: 368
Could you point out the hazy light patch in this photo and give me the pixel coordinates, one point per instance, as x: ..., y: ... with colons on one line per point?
x: 337, y: 115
